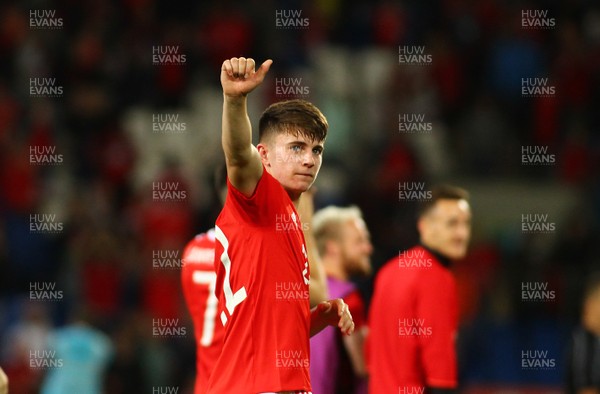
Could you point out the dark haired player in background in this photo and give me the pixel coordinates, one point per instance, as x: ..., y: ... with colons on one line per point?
x: 258, y: 254
x: 414, y: 311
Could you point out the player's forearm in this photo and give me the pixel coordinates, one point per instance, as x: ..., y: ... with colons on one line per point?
x: 237, y: 131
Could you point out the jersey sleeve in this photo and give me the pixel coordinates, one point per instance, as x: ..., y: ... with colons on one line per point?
x: 436, y: 306
x: 255, y: 209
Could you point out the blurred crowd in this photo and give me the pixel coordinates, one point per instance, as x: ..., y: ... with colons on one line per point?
x: 347, y: 58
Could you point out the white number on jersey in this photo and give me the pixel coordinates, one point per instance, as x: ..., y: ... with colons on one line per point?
x: 208, y: 278
x: 231, y: 299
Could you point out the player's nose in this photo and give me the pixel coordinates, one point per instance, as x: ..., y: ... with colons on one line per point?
x: 308, y: 159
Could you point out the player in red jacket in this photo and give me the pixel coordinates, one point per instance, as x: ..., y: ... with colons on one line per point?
x: 261, y: 257
x: 413, y: 317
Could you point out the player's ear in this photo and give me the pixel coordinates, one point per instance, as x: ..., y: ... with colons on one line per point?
x: 263, y: 151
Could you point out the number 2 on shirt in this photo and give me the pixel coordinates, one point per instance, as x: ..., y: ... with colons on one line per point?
x: 231, y: 299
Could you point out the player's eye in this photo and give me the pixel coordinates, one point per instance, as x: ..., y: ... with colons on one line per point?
x: 318, y: 151
x: 296, y: 148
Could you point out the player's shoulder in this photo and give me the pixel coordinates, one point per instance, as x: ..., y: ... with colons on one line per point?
x: 201, y: 248
x: 206, y: 237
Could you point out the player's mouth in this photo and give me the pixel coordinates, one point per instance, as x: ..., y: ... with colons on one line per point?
x: 306, y: 175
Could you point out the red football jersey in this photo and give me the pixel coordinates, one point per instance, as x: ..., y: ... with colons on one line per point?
x: 198, y: 278
x: 412, y: 325
x: 262, y: 285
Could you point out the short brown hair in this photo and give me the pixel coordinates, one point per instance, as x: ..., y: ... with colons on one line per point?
x: 442, y: 192
x: 293, y: 116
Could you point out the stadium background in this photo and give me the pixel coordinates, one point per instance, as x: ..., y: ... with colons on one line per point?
x: 126, y: 123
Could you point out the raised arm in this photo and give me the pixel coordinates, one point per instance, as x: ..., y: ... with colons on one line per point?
x: 238, y: 78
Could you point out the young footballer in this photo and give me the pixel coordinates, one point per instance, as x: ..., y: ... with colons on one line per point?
x: 261, y: 258
x: 198, y: 279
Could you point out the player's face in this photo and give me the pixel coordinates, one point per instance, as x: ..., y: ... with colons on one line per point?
x: 356, y: 248
x: 294, y: 160
x: 446, y: 228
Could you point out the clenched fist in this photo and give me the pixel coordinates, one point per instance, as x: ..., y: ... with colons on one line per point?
x: 239, y: 78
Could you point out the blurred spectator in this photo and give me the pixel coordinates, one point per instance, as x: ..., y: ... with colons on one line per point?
x: 84, y: 353
x: 28, y: 336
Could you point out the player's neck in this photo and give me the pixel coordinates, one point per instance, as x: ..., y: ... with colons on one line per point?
x: 295, y: 198
x: 335, y: 270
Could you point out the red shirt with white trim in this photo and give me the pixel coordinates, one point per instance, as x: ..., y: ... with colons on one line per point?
x: 262, y: 285
x: 198, y: 279
x: 412, y: 325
